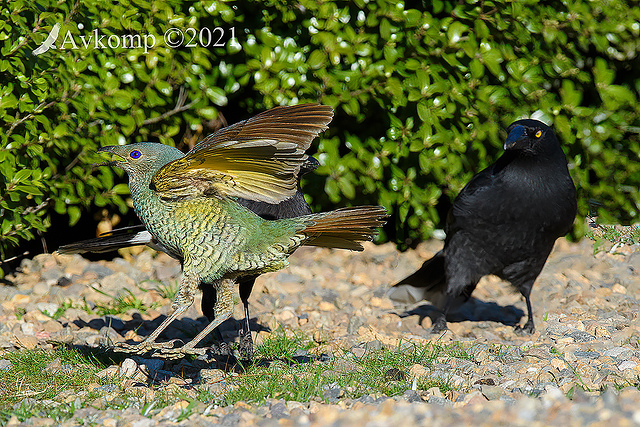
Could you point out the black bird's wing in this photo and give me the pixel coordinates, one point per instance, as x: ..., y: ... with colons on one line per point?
x: 258, y: 159
x: 481, y: 200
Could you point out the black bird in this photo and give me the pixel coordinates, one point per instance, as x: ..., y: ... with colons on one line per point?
x: 504, y: 222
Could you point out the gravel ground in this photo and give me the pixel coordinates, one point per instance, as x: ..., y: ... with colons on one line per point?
x: 587, y: 335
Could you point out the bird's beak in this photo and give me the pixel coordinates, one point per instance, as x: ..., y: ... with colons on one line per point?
x: 514, y: 136
x: 113, y: 149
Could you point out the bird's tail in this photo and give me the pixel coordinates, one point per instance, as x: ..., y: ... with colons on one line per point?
x: 344, y: 228
x: 428, y: 283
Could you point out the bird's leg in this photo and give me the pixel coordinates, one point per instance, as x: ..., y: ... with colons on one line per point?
x: 209, y: 298
x: 223, y: 310
x: 184, y: 299
x: 440, y: 324
x: 246, y: 341
x: 528, y: 327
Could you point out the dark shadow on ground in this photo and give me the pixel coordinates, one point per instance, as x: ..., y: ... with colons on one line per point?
x: 189, y: 369
x: 473, y: 310
x: 160, y: 369
x: 184, y: 328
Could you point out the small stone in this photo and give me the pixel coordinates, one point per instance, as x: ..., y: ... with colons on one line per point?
x: 395, y: 374
x: 440, y: 401
x: 332, y: 393
x: 109, y: 372
x: 619, y: 352
x: 412, y: 396
x: 491, y: 392
x: 100, y: 271
x: 426, y: 323
x: 19, y: 299
x: 580, y: 336
x: 618, y: 288
x: 5, y: 365
x: 52, y: 326
x: 559, y: 364
x: 47, y: 308
x: 383, y: 303
x: 25, y: 341
x: 418, y: 370
x: 279, y: 410
x: 131, y: 335
x: 326, y: 306
x: 51, y: 275
x: 485, y: 381
x: 628, y: 364
x: 28, y: 328
x: 63, y: 282
x: 435, y: 391
x: 587, y: 354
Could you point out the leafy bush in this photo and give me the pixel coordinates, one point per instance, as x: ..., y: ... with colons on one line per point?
x: 422, y: 93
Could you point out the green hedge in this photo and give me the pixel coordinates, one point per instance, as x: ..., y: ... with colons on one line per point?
x: 421, y: 97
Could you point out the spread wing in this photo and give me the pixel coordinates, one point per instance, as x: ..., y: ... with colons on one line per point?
x: 256, y: 159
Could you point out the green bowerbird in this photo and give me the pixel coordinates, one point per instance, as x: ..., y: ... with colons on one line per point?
x: 189, y: 205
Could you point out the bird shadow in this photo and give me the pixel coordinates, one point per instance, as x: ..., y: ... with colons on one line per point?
x: 183, y: 329
x: 473, y: 310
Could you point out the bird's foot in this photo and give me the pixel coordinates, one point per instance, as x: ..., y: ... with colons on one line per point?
x: 246, y: 345
x: 144, y: 347
x: 179, y: 353
x: 221, y: 349
x: 527, y: 329
x: 439, y: 326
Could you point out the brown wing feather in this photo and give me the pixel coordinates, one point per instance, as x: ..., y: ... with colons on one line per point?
x: 257, y: 159
x: 298, y: 124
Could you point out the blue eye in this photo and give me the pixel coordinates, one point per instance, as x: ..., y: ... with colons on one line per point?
x: 135, y: 154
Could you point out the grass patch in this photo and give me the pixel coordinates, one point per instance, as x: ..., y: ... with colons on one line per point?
x: 28, y: 378
x: 380, y: 372
x: 120, y: 304
x: 167, y: 291
x: 611, y: 237
x: 288, y: 365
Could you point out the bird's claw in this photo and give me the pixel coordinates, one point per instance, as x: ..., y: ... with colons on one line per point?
x: 144, y: 348
x: 439, y: 326
x: 178, y: 353
x: 527, y: 329
x: 246, y: 345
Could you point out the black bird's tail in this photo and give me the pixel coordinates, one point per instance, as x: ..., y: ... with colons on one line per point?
x: 110, y: 241
x: 428, y: 283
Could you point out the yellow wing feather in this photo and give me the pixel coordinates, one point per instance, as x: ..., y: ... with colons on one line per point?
x: 256, y: 159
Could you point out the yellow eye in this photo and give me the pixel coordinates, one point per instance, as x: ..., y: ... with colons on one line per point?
x: 538, y: 134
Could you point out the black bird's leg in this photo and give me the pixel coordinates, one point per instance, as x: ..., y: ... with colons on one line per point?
x: 246, y: 341
x: 440, y: 324
x: 528, y: 327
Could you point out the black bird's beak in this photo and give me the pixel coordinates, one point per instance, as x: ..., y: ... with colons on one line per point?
x: 514, y: 136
